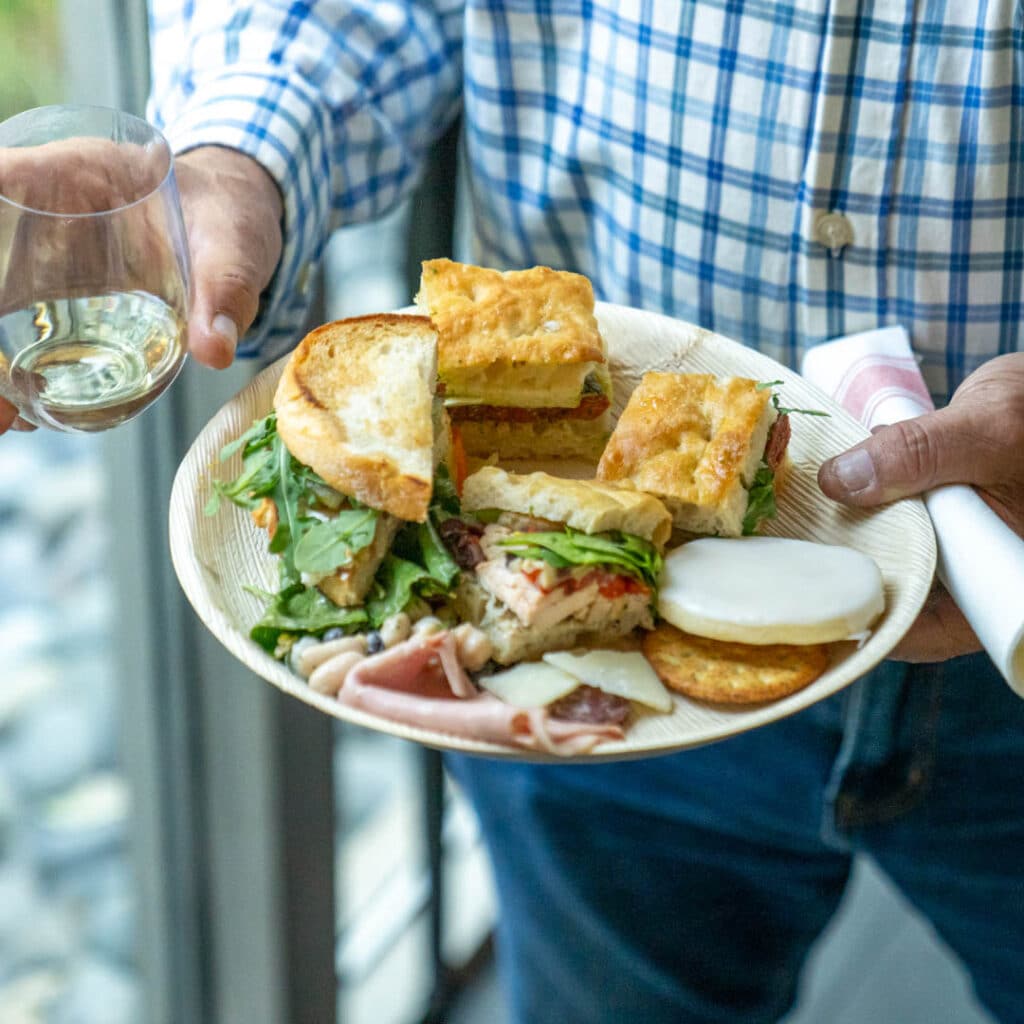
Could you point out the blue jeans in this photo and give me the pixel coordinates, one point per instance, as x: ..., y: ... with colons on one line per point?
x: 690, y: 887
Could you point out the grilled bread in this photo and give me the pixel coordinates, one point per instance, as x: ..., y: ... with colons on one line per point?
x: 521, y: 358
x: 697, y: 443
x: 355, y: 404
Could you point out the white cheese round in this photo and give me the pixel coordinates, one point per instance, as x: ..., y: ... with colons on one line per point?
x: 769, y: 590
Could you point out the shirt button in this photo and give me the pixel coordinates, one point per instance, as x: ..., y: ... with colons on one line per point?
x: 833, y: 230
x: 305, y: 278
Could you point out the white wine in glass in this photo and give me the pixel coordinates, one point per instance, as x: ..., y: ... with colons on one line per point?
x: 94, y: 275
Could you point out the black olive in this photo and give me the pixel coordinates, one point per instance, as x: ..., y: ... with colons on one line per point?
x: 374, y: 642
x: 335, y: 633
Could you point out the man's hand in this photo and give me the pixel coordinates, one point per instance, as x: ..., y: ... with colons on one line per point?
x: 9, y: 418
x: 232, y: 209
x: 232, y: 213
x: 977, y: 439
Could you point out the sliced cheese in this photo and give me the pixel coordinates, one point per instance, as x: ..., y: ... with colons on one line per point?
x: 528, y: 386
x: 622, y: 673
x: 769, y: 590
x: 530, y: 684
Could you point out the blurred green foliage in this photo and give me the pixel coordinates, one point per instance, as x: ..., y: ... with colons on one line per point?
x: 31, y: 62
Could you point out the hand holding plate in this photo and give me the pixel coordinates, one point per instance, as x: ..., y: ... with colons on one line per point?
x: 977, y: 439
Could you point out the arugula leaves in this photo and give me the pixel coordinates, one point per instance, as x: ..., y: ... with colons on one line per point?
x: 436, y: 557
x: 306, y: 542
x: 319, y: 531
x: 761, y: 500
x: 299, y: 610
x: 327, y: 545
x: 627, y: 552
x: 256, y: 479
x: 311, y: 535
x: 398, y: 581
x: 445, y: 498
x: 785, y: 410
x: 419, y: 564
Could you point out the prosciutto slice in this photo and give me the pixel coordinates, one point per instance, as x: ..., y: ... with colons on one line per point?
x: 421, y: 682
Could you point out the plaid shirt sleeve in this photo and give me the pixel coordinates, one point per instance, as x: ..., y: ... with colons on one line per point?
x: 337, y: 99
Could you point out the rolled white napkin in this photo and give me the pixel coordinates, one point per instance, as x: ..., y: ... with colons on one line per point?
x: 875, y: 377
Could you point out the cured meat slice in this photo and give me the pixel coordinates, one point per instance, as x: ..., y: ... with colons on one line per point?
x: 421, y: 683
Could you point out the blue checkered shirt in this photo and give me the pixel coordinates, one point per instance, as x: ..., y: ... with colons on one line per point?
x: 781, y: 173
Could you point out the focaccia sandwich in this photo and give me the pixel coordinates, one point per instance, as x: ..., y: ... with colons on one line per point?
x: 710, y: 448
x: 523, y: 364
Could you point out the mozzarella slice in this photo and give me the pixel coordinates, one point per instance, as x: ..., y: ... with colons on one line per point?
x: 769, y: 590
x: 623, y: 673
x: 530, y: 684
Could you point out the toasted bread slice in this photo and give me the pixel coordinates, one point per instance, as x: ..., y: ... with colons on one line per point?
x: 584, y: 505
x: 696, y: 442
x: 355, y: 404
x: 523, y: 338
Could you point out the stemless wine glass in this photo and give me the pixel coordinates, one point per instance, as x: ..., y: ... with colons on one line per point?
x: 94, y: 272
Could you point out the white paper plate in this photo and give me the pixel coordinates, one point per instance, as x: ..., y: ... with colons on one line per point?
x: 214, y: 557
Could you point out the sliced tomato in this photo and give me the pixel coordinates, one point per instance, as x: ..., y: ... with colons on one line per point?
x: 533, y: 575
x: 460, y: 469
x: 615, y: 585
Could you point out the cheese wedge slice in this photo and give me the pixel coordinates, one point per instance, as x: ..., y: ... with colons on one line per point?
x: 530, y: 684
x: 622, y: 673
x: 770, y: 590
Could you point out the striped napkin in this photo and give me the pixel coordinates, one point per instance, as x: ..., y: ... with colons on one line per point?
x: 875, y: 377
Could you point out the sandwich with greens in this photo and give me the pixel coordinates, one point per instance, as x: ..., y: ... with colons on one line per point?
x: 713, y: 449
x: 523, y: 364
x: 550, y: 564
x: 347, y: 476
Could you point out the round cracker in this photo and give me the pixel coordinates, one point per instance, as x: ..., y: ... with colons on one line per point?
x: 731, y: 673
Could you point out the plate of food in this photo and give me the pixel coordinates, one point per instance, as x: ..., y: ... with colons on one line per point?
x: 519, y: 523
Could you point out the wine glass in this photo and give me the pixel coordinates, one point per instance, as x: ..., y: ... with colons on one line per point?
x: 94, y: 270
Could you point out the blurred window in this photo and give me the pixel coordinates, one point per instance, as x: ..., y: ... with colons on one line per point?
x: 67, y: 894
x: 140, y: 837
x: 386, y: 961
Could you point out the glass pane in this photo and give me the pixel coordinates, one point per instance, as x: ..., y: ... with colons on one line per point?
x: 67, y: 897
x: 31, y: 55
x: 67, y: 910
x: 383, y: 883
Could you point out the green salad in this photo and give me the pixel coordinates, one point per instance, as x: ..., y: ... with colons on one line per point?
x: 315, y: 531
x: 625, y: 551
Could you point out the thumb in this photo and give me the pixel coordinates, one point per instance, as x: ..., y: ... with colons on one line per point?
x: 903, y: 459
x: 233, y: 211
x: 225, y: 301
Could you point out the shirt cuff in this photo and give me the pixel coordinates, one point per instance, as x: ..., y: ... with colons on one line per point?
x: 283, y: 126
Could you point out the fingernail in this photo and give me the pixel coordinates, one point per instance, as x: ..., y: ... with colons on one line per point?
x: 225, y: 327
x: 854, y: 470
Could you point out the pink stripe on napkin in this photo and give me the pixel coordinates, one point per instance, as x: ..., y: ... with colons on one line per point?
x: 873, y: 375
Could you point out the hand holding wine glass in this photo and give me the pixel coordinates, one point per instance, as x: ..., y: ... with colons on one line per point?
x: 94, y: 263
x: 94, y: 270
